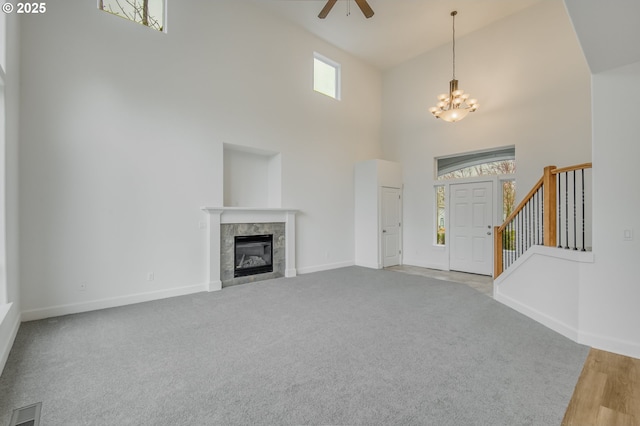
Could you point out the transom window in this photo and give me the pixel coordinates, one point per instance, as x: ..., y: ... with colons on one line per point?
x: 326, y: 76
x: 493, y: 162
x: 149, y: 13
x: 499, y: 162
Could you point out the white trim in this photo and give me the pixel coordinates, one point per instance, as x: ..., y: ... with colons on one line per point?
x: 8, y: 331
x: 610, y: 344
x: 552, y: 323
x: 368, y: 264
x: 112, y: 302
x: 325, y: 267
x: 422, y: 264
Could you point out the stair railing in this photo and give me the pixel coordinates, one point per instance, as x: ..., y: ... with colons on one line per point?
x: 535, y: 220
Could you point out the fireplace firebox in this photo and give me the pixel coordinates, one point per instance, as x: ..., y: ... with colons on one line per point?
x: 253, y: 255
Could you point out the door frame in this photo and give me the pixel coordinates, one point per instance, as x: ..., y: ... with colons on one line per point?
x: 492, y: 189
x: 380, y: 222
x: 497, y: 202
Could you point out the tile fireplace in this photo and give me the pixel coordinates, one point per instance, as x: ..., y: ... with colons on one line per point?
x: 226, y: 224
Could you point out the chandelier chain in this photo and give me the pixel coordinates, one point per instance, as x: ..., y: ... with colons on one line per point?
x: 454, y: 13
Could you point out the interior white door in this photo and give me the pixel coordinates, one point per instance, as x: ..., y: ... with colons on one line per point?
x: 471, y: 227
x: 391, y: 225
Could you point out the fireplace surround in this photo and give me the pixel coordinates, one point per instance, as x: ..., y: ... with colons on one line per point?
x: 224, y: 223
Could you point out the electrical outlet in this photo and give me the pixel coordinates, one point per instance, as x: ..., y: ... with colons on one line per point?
x: 150, y: 276
x: 82, y: 287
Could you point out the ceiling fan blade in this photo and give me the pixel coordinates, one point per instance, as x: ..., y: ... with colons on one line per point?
x: 365, y: 8
x: 326, y: 9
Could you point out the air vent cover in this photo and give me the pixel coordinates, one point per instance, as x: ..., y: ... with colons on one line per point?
x: 27, y: 416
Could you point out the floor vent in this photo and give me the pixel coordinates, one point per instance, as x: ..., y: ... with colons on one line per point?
x: 27, y: 416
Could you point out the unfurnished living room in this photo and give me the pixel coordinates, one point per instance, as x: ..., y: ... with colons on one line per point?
x: 319, y: 212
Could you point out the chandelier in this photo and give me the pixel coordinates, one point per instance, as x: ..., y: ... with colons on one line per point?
x: 456, y: 105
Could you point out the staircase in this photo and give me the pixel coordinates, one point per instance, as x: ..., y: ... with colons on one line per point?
x: 541, y: 249
x: 555, y: 213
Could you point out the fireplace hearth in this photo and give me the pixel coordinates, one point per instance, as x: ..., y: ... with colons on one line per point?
x: 253, y: 255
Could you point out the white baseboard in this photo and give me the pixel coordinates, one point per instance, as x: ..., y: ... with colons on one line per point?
x: 609, y: 344
x: 325, y: 267
x: 368, y: 265
x: 422, y: 264
x: 74, y: 308
x: 214, y: 285
x: 544, y: 319
x: 9, y: 325
x: 290, y: 273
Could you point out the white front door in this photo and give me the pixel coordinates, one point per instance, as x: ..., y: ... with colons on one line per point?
x: 471, y: 228
x: 391, y: 223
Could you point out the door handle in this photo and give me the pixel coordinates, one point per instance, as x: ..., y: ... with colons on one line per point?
x: 489, y: 233
x: 384, y: 230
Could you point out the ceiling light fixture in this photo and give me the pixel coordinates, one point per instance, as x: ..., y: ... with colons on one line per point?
x: 456, y: 105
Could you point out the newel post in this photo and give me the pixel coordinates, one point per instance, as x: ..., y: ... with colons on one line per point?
x: 550, y: 206
x: 497, y: 252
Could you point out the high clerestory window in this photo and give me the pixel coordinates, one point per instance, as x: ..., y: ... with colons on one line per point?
x: 326, y: 76
x: 150, y: 13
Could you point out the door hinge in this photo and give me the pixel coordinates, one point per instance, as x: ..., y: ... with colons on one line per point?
x: 399, y: 251
x: 399, y: 223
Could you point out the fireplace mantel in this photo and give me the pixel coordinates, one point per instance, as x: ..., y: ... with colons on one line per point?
x: 223, y: 215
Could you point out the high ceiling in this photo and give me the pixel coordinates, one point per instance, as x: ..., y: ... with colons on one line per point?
x: 399, y: 30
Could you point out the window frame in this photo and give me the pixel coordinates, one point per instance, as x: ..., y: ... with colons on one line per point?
x: 337, y: 75
x: 163, y: 23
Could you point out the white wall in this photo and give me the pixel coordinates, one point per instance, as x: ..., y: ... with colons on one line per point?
x: 124, y: 139
x: 533, y: 84
x: 610, y: 290
x: 544, y: 284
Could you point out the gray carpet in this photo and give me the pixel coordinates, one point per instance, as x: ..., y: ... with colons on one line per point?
x: 350, y: 346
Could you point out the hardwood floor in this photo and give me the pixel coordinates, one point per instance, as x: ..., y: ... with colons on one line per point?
x: 607, y: 392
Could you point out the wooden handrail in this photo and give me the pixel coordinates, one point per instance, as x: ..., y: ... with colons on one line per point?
x: 572, y: 168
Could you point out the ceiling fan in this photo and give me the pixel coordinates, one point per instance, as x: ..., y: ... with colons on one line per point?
x: 362, y: 4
